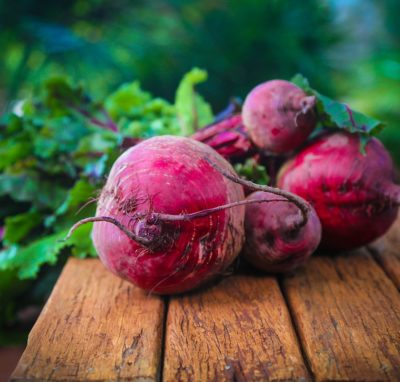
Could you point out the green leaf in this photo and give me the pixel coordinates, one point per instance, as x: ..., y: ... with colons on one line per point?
x: 192, y: 110
x: 80, y: 193
x: 139, y: 114
x: 127, y: 99
x: 81, y: 242
x: 59, y: 135
x: 301, y: 82
x: 12, y: 124
x: 12, y: 150
x: 17, y: 227
x: 252, y: 171
x: 28, y: 260
x: 97, y: 169
x: 338, y: 115
x: 98, y: 142
x: 29, y: 188
x: 61, y: 95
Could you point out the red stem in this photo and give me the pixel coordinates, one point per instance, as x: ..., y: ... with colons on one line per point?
x: 154, y: 217
x: 108, y: 219
x: 209, y: 211
x: 299, y: 202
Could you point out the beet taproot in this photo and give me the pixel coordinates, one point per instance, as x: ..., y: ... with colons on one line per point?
x: 279, y: 116
x: 353, y: 193
x: 168, y: 175
x: 274, y: 242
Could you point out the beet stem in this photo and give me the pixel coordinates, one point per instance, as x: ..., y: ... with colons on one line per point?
x: 209, y: 211
x: 108, y: 219
x: 154, y: 216
x: 296, y: 200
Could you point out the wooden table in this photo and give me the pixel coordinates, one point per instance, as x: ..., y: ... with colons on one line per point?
x: 337, y: 319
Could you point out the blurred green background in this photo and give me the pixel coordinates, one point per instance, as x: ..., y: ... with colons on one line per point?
x: 349, y: 49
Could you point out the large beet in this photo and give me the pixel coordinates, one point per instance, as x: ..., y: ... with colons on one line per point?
x: 168, y: 176
x: 353, y: 194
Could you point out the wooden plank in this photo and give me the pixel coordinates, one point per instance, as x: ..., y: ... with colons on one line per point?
x: 387, y: 252
x: 238, y: 330
x: 347, y: 313
x: 94, y: 327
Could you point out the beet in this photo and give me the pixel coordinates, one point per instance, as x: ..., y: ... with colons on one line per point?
x: 279, y: 116
x: 228, y: 137
x: 274, y: 243
x: 352, y: 193
x: 168, y: 175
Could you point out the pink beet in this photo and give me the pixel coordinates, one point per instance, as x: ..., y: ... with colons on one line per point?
x: 274, y: 240
x: 279, y: 116
x: 151, y: 191
x: 353, y: 194
x: 228, y: 137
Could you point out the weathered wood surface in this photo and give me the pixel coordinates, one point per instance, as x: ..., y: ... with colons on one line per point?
x: 346, y: 311
x: 347, y: 314
x: 238, y: 330
x: 387, y: 252
x: 95, y: 327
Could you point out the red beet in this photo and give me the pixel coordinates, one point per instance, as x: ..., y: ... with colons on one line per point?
x: 353, y: 194
x: 279, y: 116
x: 228, y: 137
x: 274, y: 240
x: 153, y: 180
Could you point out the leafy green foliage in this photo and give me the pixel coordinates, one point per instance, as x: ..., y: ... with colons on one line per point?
x: 57, y: 153
x: 19, y: 226
x: 141, y: 115
x: 253, y: 171
x: 110, y: 42
x: 193, y: 112
x: 337, y: 115
x: 28, y: 260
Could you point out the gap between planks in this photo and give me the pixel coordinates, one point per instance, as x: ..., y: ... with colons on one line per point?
x: 295, y: 328
x: 386, y: 252
x: 271, y: 331
x: 238, y: 329
x: 94, y: 327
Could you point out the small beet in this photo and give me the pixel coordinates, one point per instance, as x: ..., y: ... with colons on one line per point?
x: 279, y: 116
x: 353, y: 193
x: 228, y: 137
x: 274, y: 240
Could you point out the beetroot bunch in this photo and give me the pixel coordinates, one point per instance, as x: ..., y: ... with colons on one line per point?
x: 174, y: 214
x: 342, y: 171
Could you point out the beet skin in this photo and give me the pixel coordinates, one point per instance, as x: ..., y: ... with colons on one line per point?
x: 274, y: 240
x: 352, y: 193
x: 169, y: 175
x: 279, y: 116
x: 228, y: 137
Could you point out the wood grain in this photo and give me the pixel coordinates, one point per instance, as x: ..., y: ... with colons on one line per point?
x: 347, y: 313
x: 238, y: 330
x: 387, y: 252
x: 94, y: 327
